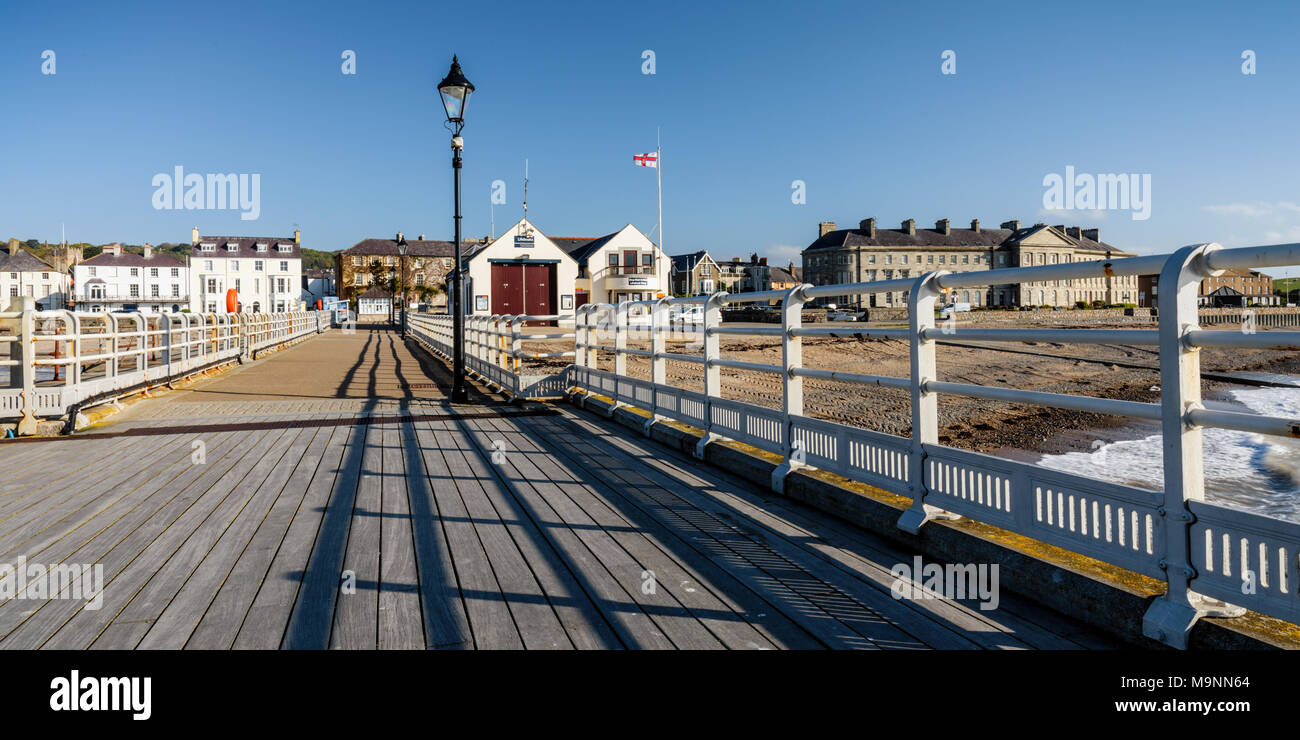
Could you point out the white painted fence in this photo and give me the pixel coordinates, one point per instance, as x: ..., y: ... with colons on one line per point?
x: 1213, y: 559
x: 60, y: 361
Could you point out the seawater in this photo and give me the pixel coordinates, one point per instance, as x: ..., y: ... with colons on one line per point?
x: 1254, y: 472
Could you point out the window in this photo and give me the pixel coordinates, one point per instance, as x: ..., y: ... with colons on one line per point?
x: 285, y: 248
x: 903, y: 259
x: 647, y: 263
x: 889, y: 259
x: 965, y: 259
x: 942, y: 259
x: 135, y: 291
x: 358, y: 261
x: 92, y: 274
x: 13, y: 291
x: 176, y: 272
x: 153, y: 291
x: 871, y: 260
x: 45, y: 276
x: 207, y: 265
x: 234, y: 265
x: 284, y: 265
x: 176, y: 291
x: 212, y: 285
x: 257, y: 265
x: 236, y: 285
x: 210, y: 247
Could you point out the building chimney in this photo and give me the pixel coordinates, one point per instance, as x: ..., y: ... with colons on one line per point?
x: 421, y: 237
x: 869, y: 226
x: 148, y: 250
x: 762, y: 261
x: 297, y: 236
x: 194, y: 235
x: 941, y: 226
x: 1074, y: 231
x: 975, y: 225
x: 1093, y: 234
x: 910, y: 226
x: 824, y: 228
x: 1013, y: 225
x: 13, y: 246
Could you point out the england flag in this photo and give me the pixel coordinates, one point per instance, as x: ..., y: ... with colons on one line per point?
x: 646, y: 160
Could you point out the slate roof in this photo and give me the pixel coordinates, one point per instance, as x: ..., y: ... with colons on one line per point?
x: 783, y: 275
x: 985, y: 238
x: 22, y: 261
x: 581, y: 247
x: 130, y: 259
x: 245, y: 247
x: 414, y: 248
x: 687, y: 262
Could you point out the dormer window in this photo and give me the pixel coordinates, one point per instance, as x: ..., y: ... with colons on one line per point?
x: 284, y: 248
x: 208, y: 247
x: 261, y: 246
x: 232, y: 247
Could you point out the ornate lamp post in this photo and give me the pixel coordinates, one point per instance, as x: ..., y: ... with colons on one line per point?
x: 455, y: 90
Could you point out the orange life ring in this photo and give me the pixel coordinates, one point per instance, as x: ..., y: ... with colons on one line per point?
x: 320, y: 304
x: 232, y: 301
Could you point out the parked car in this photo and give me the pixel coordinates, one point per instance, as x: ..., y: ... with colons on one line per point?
x: 953, y: 308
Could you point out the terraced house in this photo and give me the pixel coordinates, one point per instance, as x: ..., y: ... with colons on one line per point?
x: 870, y: 253
x: 265, y: 272
x: 24, y: 274
x: 117, y: 280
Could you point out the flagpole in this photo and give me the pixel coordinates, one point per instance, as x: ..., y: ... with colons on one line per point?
x: 659, y: 169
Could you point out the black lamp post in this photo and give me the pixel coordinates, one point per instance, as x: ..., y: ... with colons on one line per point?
x: 401, y: 266
x: 455, y: 91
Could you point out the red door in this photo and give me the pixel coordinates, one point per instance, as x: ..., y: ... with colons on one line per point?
x: 507, y: 288
x: 537, y: 289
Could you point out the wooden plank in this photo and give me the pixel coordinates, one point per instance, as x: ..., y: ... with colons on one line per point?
x: 582, y: 621
x: 89, y: 544
x: 123, y: 542
x: 176, y: 623
x: 312, y: 615
x: 840, y: 609
x: 183, y: 549
x: 226, y: 614
x: 491, y: 624
x: 357, y: 611
x: 621, y: 611
x: 700, y: 586
x: 446, y: 625
x: 539, y: 626
x: 265, y: 625
x: 401, y: 625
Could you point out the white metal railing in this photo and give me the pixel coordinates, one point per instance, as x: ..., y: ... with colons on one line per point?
x: 59, y: 361
x: 1204, y: 552
x: 494, y: 349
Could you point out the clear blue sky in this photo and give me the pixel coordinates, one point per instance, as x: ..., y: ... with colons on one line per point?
x: 846, y: 96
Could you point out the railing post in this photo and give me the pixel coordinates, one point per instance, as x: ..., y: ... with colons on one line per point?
x: 925, y: 403
x: 658, y: 363
x: 1169, y: 619
x: 516, y: 347
x: 26, y: 367
x: 712, y: 372
x: 791, y: 384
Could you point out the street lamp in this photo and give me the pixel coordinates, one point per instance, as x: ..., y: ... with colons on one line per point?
x: 401, y: 259
x: 455, y: 91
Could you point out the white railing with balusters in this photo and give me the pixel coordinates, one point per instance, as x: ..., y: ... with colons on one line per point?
x: 59, y: 361
x: 1210, y: 556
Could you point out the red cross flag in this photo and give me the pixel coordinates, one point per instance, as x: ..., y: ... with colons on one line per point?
x: 646, y: 160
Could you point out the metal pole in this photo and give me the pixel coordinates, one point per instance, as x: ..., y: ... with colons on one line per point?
x: 458, y: 392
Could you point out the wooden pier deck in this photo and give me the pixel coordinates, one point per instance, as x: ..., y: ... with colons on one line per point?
x: 340, y: 502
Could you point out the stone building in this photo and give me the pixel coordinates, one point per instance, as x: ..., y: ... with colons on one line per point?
x: 427, y: 264
x: 1233, y: 288
x: 870, y: 253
